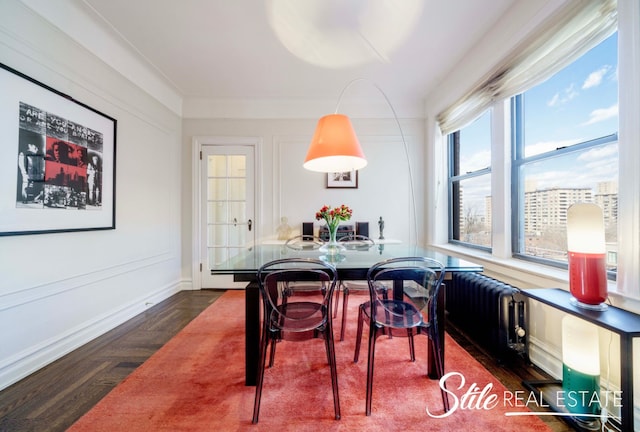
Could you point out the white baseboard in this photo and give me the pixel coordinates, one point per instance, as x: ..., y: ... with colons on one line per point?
x: 186, y: 285
x: 23, y: 364
x: 545, y: 358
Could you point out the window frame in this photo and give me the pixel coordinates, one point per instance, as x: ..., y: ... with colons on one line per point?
x: 625, y: 291
x: 518, y: 162
x: 453, y: 156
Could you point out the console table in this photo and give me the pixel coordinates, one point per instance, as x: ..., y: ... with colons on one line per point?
x: 624, y: 323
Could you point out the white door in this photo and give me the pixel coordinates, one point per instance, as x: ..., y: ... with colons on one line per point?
x: 227, y: 208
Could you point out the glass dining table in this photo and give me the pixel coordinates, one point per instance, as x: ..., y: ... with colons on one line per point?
x: 352, y: 264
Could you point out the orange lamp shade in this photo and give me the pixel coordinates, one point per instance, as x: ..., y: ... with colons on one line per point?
x: 335, y: 146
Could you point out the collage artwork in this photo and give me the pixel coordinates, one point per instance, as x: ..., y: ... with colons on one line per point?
x: 59, y: 162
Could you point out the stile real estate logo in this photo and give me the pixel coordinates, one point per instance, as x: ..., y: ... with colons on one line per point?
x: 577, y: 403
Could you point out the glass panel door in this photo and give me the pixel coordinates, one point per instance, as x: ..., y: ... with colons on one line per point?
x: 227, y: 205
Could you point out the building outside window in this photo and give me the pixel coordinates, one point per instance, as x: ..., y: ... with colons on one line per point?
x: 470, y: 183
x: 564, y: 137
x: 565, y: 151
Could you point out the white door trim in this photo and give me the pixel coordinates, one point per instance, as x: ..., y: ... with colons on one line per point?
x: 196, y: 234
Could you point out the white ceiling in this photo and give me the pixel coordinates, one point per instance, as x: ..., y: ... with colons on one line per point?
x: 227, y: 49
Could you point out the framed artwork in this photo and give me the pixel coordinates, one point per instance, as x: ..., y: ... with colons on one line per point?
x: 345, y: 179
x: 57, y: 170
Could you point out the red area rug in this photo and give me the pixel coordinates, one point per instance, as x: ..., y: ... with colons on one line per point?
x: 196, y: 383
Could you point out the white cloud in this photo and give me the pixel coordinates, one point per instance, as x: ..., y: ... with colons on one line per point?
x: 477, y: 161
x: 554, y: 100
x: 570, y: 92
x: 587, y: 169
x: 595, y: 78
x: 561, y: 98
x: 545, y: 146
x: 599, y: 153
x: 602, y: 114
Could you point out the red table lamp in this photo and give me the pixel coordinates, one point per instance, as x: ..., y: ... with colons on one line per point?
x: 587, y: 256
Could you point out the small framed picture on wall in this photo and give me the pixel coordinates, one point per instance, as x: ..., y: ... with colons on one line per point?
x: 345, y: 179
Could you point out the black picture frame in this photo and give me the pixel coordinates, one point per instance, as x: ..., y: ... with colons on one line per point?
x: 346, y: 179
x: 57, y: 172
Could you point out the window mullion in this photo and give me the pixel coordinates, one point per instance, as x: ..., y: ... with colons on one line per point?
x: 517, y: 188
x: 500, y: 180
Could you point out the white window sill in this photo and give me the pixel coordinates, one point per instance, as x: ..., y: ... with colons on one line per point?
x: 524, y: 274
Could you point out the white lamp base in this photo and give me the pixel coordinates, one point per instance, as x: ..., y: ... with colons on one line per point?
x: 585, y: 423
x: 598, y: 307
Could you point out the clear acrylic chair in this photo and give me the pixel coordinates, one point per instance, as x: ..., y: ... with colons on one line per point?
x: 352, y: 242
x: 298, y: 318
x: 356, y: 242
x: 303, y: 242
x: 416, y: 282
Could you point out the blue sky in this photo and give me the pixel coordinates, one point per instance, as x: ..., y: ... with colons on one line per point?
x: 577, y: 104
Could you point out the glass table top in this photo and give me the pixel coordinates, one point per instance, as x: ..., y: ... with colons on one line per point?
x: 354, y: 261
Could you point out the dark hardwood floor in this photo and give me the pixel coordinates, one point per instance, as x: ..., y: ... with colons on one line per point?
x: 56, y: 396
x: 53, y: 398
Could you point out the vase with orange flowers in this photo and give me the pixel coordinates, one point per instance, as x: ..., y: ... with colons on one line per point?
x: 333, y: 217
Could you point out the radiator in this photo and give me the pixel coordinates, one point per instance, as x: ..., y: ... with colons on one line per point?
x: 490, y: 312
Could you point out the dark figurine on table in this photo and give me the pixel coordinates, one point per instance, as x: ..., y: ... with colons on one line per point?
x: 381, y: 227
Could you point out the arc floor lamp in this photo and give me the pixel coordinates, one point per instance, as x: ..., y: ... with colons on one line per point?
x: 335, y: 146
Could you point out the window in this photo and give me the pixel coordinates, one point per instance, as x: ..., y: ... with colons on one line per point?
x: 598, y: 147
x: 564, y: 134
x: 470, y: 183
x: 565, y: 148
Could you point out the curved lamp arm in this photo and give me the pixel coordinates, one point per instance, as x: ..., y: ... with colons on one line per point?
x: 404, y: 142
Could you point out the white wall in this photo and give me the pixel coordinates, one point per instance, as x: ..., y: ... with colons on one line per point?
x: 58, y: 291
x: 286, y: 189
